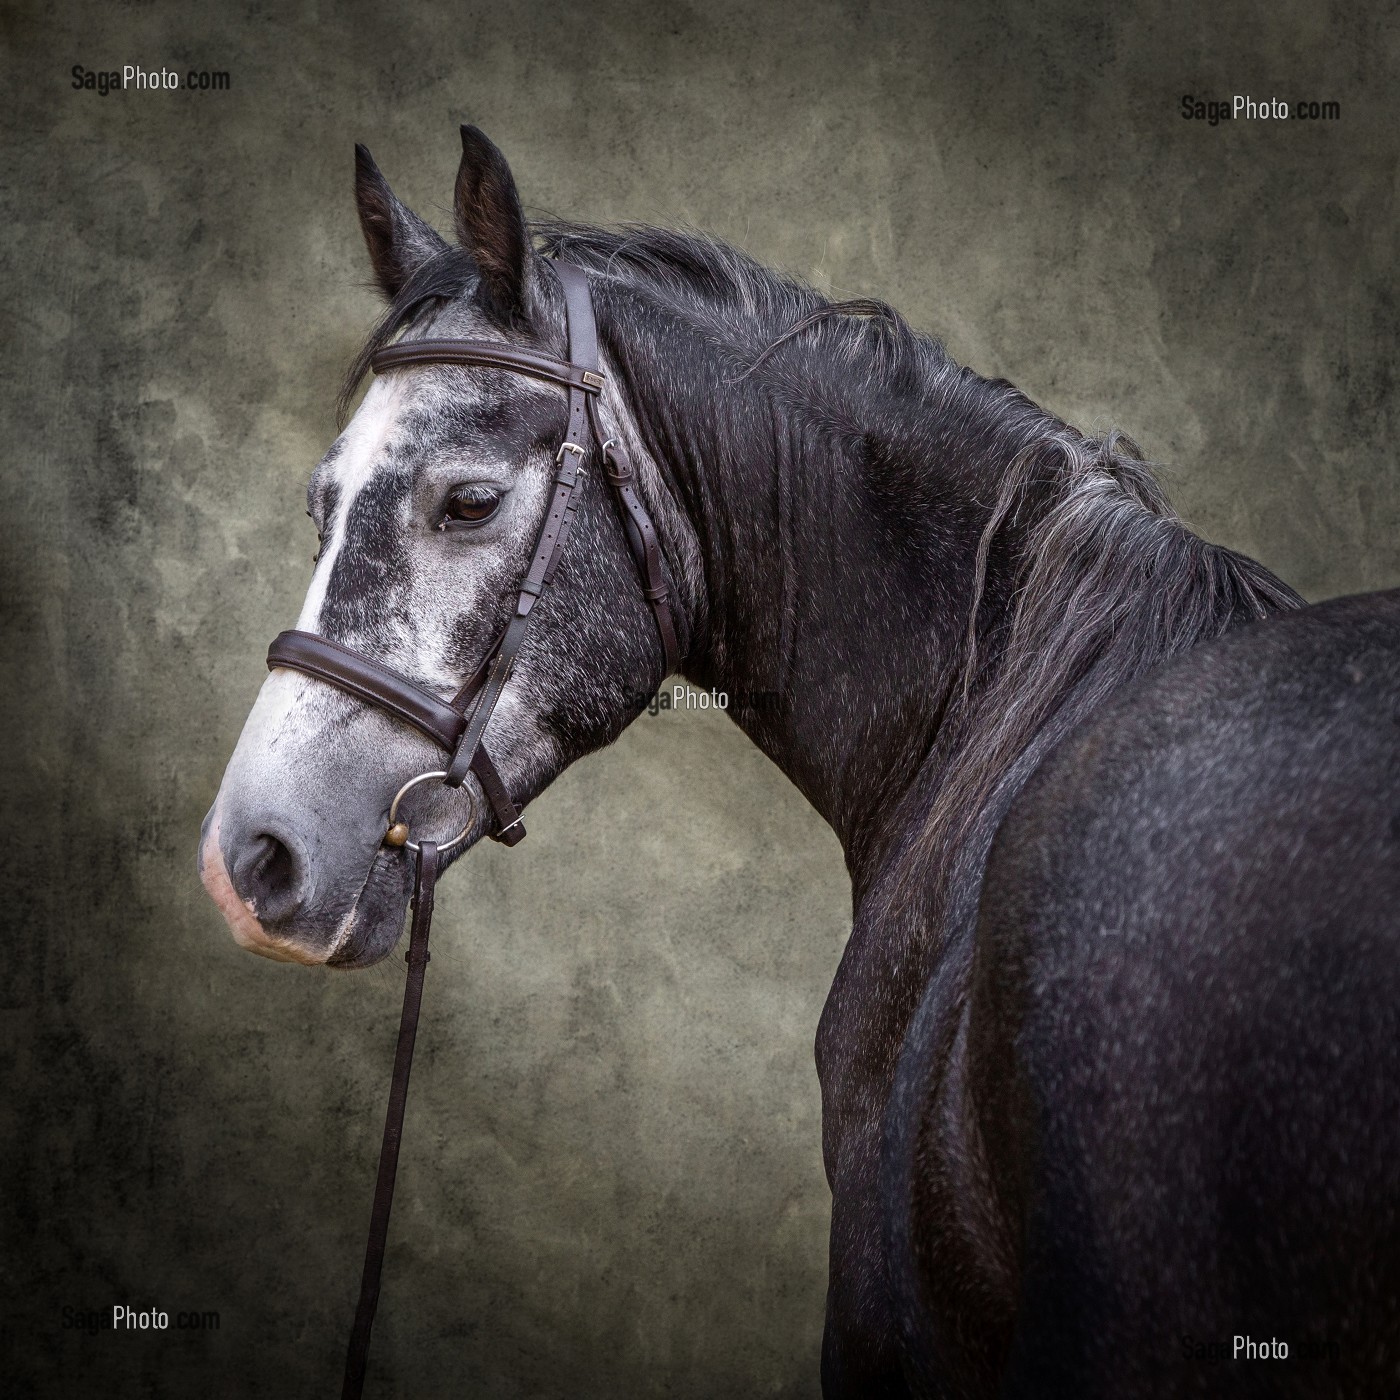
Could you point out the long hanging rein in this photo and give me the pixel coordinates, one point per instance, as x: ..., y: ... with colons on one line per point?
x: 459, y: 725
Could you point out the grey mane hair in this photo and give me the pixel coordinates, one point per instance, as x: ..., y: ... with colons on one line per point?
x: 734, y: 302
x: 1105, y: 582
x: 696, y: 274
x: 856, y: 306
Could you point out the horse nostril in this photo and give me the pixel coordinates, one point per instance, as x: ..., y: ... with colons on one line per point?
x: 268, y: 876
x: 273, y: 866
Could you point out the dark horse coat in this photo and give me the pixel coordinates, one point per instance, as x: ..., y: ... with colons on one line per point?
x: 1109, y: 1067
x: 1130, y: 1091
x: 1165, y: 1127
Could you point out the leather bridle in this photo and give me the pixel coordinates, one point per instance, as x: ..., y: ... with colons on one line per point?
x: 459, y: 725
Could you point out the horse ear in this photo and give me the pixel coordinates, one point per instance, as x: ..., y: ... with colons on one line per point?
x: 491, y: 226
x: 399, y: 242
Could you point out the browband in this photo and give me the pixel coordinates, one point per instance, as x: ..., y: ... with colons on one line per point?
x: 458, y: 726
x: 490, y: 353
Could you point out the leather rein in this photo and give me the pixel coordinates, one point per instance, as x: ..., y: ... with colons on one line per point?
x: 459, y: 725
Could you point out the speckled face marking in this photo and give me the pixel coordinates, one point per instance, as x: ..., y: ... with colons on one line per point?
x: 427, y: 507
x: 398, y: 576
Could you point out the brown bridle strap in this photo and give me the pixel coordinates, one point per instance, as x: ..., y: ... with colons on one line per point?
x: 492, y: 355
x: 641, y: 537
x: 425, y: 883
x: 367, y: 680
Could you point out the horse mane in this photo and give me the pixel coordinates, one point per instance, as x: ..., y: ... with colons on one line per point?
x: 700, y: 275
x: 1095, y: 577
x: 1101, y: 581
x: 853, y: 361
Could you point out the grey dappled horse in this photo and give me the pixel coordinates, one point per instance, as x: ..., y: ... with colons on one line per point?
x: 1109, y: 1067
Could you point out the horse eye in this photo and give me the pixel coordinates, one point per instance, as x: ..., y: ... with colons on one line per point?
x: 470, y: 505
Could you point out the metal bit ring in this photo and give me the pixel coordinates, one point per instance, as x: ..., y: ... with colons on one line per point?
x: 397, y: 834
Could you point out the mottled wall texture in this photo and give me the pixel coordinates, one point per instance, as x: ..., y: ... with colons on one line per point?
x: 613, y: 1183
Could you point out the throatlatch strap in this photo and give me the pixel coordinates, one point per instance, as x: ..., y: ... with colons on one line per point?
x: 641, y: 539
x: 424, y: 884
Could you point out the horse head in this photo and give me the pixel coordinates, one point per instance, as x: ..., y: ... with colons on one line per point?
x: 428, y: 507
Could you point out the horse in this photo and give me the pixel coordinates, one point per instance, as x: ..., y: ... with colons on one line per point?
x: 1109, y: 1065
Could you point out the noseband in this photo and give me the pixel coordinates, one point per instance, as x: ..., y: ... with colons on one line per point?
x: 459, y: 725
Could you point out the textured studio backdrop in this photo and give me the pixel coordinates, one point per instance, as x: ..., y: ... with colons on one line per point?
x: 612, y: 1183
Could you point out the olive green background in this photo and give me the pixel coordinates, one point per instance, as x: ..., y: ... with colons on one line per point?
x: 612, y: 1184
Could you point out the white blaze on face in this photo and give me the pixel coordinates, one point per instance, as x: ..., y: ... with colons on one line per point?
x: 361, y: 444
x: 290, y: 706
x: 290, y: 702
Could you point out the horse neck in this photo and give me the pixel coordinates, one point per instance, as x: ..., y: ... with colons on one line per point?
x: 832, y: 592
x: 854, y: 506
